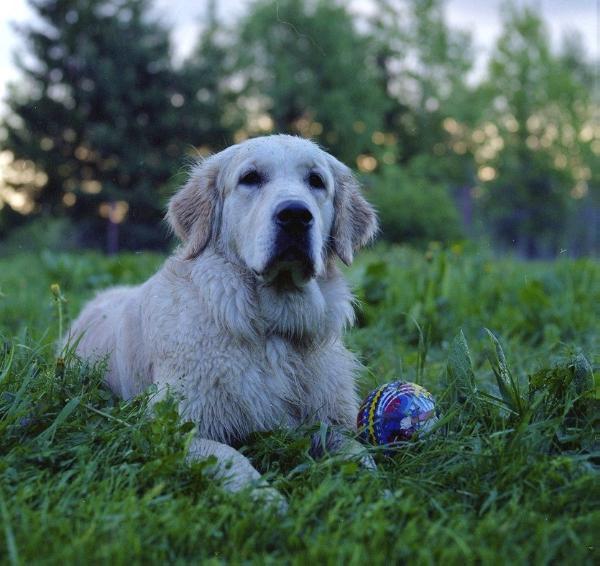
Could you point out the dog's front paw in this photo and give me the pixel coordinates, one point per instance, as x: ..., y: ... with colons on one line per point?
x: 232, y: 468
x: 368, y: 462
x: 270, y: 497
x: 351, y: 448
x: 341, y: 444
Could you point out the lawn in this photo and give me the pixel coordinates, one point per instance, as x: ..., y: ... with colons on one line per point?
x: 511, y: 474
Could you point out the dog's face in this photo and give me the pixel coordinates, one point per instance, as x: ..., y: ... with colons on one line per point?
x: 278, y: 209
x: 279, y: 204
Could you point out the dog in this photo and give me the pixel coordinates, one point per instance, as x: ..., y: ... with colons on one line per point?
x: 243, y: 323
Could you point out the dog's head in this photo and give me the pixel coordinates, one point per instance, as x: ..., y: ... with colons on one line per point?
x: 279, y: 204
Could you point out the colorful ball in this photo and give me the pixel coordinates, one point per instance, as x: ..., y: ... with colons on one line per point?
x: 395, y: 412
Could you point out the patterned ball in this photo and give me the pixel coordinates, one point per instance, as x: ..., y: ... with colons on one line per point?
x: 395, y: 412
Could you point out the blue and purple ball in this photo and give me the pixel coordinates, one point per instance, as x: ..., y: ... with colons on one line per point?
x: 395, y: 412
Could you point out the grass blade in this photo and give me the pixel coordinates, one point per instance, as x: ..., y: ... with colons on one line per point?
x: 583, y: 375
x: 509, y: 388
x: 64, y: 414
x: 7, y: 364
x: 460, y: 370
x: 20, y: 397
x: 11, y: 545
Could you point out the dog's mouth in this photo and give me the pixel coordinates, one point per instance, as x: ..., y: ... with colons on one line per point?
x: 289, y: 269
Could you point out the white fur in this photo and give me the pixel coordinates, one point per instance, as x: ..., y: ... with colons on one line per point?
x: 240, y: 355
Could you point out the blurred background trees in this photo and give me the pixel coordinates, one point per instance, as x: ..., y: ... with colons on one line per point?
x: 308, y: 71
x: 533, y: 152
x: 102, y: 124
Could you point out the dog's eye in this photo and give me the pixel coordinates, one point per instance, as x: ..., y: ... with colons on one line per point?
x: 251, y: 178
x: 316, y: 181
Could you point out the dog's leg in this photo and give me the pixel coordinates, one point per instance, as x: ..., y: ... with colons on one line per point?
x: 236, y: 471
x: 340, y: 442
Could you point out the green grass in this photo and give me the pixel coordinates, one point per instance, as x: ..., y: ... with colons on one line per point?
x: 510, y: 476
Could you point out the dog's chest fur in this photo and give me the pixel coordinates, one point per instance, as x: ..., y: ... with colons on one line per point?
x: 259, y: 359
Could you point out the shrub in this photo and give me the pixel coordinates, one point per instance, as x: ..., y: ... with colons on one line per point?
x: 413, y: 210
x: 43, y: 233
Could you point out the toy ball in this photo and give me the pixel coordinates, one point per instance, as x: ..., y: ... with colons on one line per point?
x: 395, y: 412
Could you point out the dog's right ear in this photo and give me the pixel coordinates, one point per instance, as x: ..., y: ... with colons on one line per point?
x: 192, y: 210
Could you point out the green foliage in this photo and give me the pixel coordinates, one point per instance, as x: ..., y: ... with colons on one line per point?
x: 508, y: 386
x: 87, y: 272
x: 423, y: 63
x: 102, y: 115
x: 87, y: 477
x: 99, y: 126
x: 413, y: 210
x: 53, y: 234
x: 539, y: 103
x: 312, y: 72
x: 210, y: 105
x: 461, y: 378
x: 566, y: 390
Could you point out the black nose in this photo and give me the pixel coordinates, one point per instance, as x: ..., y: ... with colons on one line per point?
x: 293, y: 216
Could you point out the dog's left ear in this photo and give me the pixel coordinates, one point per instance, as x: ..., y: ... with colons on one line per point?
x: 355, y: 222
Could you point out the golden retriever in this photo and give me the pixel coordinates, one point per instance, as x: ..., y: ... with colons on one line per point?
x: 243, y: 323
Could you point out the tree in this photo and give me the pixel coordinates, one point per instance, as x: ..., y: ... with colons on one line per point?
x: 583, y: 230
x: 424, y: 63
x: 210, y: 99
x: 100, y: 114
x: 307, y: 70
x: 530, y: 156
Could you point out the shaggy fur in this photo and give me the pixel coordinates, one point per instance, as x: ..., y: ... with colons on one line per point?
x: 240, y: 352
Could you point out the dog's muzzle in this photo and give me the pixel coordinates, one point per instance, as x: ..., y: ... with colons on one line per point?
x: 293, y: 217
x: 291, y: 256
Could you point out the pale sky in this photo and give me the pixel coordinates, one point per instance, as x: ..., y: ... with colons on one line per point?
x: 480, y: 17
